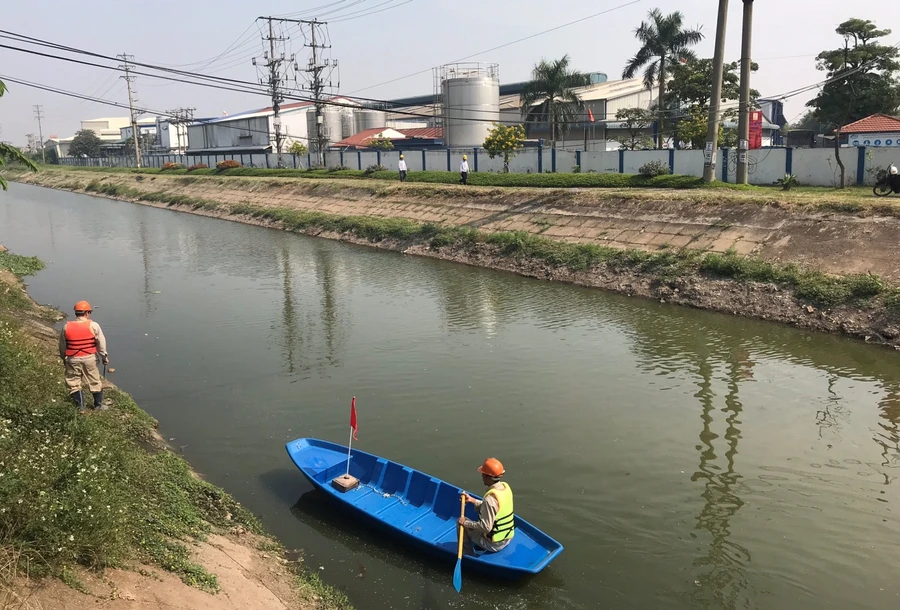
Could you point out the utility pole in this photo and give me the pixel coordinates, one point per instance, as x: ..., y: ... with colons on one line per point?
x: 317, y: 78
x: 39, y: 114
x: 744, y: 108
x: 316, y: 70
x: 712, y: 134
x: 180, y: 119
x: 134, y: 127
x: 274, y: 80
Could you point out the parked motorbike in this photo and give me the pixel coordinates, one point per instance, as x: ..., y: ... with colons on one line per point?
x: 888, y: 182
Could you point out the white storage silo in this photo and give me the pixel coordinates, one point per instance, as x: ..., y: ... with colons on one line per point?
x: 367, y: 118
x: 348, y: 123
x: 470, y: 95
x: 331, y: 127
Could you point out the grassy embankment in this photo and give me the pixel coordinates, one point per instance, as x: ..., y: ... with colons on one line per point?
x: 92, y: 491
x: 809, y: 285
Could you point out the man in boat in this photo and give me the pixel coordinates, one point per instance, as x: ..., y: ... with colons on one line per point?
x: 496, y: 523
x: 82, y: 347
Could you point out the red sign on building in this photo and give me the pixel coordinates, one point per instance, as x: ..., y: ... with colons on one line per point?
x: 756, y: 117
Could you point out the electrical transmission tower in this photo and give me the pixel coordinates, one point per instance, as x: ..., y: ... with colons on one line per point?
x: 129, y: 78
x: 317, y: 75
x: 319, y: 72
x: 181, y: 118
x: 39, y: 115
x: 275, y: 66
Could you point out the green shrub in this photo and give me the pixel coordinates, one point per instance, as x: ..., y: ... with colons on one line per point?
x: 654, y: 168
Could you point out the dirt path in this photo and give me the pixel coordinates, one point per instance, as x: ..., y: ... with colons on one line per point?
x: 249, y: 580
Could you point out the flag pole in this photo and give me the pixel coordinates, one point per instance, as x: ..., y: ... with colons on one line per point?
x: 349, y: 445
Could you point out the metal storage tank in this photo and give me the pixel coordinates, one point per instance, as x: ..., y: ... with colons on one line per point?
x: 331, y: 122
x: 348, y: 122
x: 368, y: 118
x: 470, y: 95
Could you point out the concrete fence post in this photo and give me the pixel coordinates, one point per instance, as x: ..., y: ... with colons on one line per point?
x: 553, y: 160
x: 621, y: 161
x: 423, y: 159
x: 671, y: 160
x: 578, y: 159
x: 860, y: 165
x: 448, y: 161
x: 475, y: 157
x: 788, y: 160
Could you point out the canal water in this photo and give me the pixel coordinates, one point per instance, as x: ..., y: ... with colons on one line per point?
x: 684, y: 459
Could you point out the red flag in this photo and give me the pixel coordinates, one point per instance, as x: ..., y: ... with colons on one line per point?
x: 590, y: 115
x: 353, y: 417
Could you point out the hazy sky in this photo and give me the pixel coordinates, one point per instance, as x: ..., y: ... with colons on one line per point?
x: 411, y: 35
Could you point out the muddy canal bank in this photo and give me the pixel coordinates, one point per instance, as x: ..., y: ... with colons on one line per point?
x: 650, y: 244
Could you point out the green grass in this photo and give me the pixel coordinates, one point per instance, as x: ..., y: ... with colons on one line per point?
x: 20, y: 265
x: 92, y: 490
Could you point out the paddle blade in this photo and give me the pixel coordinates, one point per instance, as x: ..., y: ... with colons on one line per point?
x: 457, y: 576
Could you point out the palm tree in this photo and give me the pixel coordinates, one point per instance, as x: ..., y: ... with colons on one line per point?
x: 11, y: 154
x: 550, y: 95
x: 664, y: 42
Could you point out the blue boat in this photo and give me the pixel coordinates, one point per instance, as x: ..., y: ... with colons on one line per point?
x: 417, y: 507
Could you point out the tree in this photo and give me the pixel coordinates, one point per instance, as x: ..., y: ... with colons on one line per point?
x: 10, y: 154
x: 85, y: 144
x: 505, y: 141
x: 664, y: 43
x: 862, y: 80
x: 298, y: 148
x: 550, y: 97
x: 863, y: 75
x: 692, y: 84
x: 379, y: 142
x: 634, y: 121
x: 692, y: 128
x: 810, y: 122
x: 147, y: 141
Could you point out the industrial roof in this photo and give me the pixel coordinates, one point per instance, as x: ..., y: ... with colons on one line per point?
x: 250, y: 114
x: 876, y: 123
x: 360, y: 139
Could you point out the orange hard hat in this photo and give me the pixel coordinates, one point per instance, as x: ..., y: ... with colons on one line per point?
x: 492, y: 468
x: 82, y: 306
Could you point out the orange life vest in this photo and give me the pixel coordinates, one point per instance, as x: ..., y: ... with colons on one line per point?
x: 80, y: 339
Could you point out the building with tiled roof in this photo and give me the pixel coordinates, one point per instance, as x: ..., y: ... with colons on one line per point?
x: 875, y: 130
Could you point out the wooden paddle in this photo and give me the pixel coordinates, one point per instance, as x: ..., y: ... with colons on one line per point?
x: 457, y: 573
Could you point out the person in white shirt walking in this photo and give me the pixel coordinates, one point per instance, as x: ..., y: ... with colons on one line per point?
x: 402, y: 166
x: 464, y: 170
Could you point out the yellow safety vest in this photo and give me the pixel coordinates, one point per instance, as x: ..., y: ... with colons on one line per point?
x: 505, y: 522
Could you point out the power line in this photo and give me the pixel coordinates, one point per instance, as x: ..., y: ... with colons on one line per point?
x: 553, y: 29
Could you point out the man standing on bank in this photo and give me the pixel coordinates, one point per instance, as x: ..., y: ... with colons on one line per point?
x: 464, y: 170
x: 402, y: 168
x: 496, y: 523
x: 82, y: 346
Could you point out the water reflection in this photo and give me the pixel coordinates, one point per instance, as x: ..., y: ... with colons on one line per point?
x: 288, y: 313
x: 889, y: 436
x: 723, y: 581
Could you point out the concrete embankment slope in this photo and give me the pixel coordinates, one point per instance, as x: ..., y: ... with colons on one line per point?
x: 839, y: 233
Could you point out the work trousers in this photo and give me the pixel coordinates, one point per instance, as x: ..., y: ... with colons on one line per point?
x: 479, y: 540
x: 464, y: 177
x: 83, y: 370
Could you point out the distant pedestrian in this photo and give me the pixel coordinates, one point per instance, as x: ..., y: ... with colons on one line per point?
x: 464, y: 170
x: 82, y: 347
x: 402, y: 167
